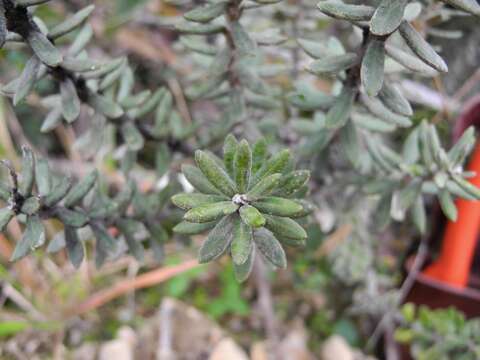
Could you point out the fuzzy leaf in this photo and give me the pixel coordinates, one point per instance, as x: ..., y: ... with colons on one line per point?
x: 229, y: 150
x: 339, y: 113
x: 210, y: 212
x: 70, y: 100
x: 372, y: 70
x: 30, y: 206
x: 243, y: 271
x: 133, y: 138
x: 196, y: 178
x: 387, y: 17
x: 128, y: 228
x: 447, y: 205
x: 71, y: 23
x: 393, y: 98
x: 105, y: 106
x: 44, y: 49
x: 33, y: 237
x: 27, y: 79
x: 277, y: 206
x: 207, y: 13
x: 215, y: 173
x: 217, y: 241
x: 339, y: 10
x: 81, y: 189
x: 276, y: 164
x: 42, y: 176
x: 28, y: 171
x: 188, y: 228
x: 242, y: 242
x: 243, y: 166
x: 421, y: 48
x: 59, y: 191
x: 72, y: 218
x: 6, y: 214
x: 264, y: 186
x: 333, y: 63
x: 251, y: 216
x: 74, y: 247
x: 467, y: 5
x: 285, y: 227
x: 269, y: 246
x: 188, y: 201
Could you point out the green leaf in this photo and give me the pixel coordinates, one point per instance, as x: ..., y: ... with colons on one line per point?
x: 42, y: 176
x: 80, y: 64
x: 372, y: 70
x: 132, y: 101
x: 242, y: 242
x: 188, y: 228
x: 309, y: 99
x: 462, y: 147
x: 210, y: 212
x: 27, y: 79
x: 30, y: 206
x: 277, y: 206
x: 447, y: 205
x: 28, y: 171
x: 196, y: 178
x: 207, y: 13
x: 76, y: 219
x: 129, y: 228
x: 421, y: 48
x: 377, y: 108
x: 229, y: 150
x: 333, y: 64
x: 70, y: 100
x: 411, y: 148
x: 259, y: 154
x: 112, y: 77
x: 243, y: 271
x: 6, y: 214
x: 162, y: 114
x: 217, y: 241
x: 251, y: 216
x: 276, y: 164
x: 387, y: 17
x: 339, y: 113
x: 393, y: 98
x: 285, y: 227
x: 44, y: 49
x: 264, y: 186
x: 105, y: 106
x: 243, y: 42
x: 59, y: 191
x: 291, y: 182
x: 188, y: 201
x: 270, y: 248
x: 57, y: 243
x: 71, y: 23
x: 105, y: 244
x: 419, y: 216
x: 215, y: 173
x: 403, y: 199
x: 339, y: 10
x: 81, y: 189
x: 410, y: 62
x: 104, y: 69
x: 307, y: 209
x: 243, y: 166
x: 149, y: 105
x: 33, y: 237
x: 82, y: 39
x: 133, y: 138
x: 467, y: 186
x: 74, y: 247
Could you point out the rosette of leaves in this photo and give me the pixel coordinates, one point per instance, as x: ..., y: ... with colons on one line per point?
x: 423, y: 168
x: 247, y: 202
x: 38, y: 194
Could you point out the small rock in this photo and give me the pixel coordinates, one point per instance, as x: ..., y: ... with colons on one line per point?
x: 336, y: 348
x: 228, y: 349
